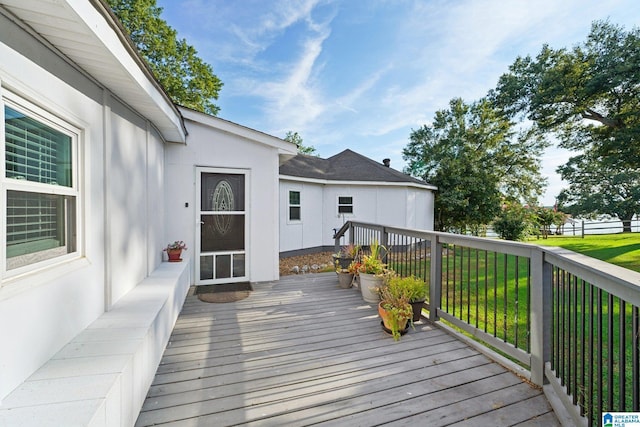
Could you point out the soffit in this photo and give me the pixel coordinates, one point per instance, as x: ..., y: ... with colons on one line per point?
x: 85, y: 32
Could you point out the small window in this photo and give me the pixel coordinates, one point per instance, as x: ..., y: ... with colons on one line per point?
x: 40, y: 189
x: 345, y: 205
x: 294, y: 206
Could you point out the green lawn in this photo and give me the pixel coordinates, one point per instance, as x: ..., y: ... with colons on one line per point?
x: 620, y: 249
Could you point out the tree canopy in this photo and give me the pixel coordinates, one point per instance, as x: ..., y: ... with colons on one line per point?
x: 186, y: 78
x: 295, y: 138
x: 477, y: 159
x: 600, y: 185
x: 589, y: 98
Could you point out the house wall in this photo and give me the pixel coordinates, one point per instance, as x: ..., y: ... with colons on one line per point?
x: 212, y: 148
x: 121, y: 222
x: 307, y: 232
x: 379, y: 204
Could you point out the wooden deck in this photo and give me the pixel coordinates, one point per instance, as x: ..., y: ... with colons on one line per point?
x: 301, y: 351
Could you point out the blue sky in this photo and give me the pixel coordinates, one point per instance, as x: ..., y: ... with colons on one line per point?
x: 361, y: 74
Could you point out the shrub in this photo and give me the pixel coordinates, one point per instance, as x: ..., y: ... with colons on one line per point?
x: 512, y: 223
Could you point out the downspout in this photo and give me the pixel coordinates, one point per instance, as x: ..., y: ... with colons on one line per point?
x: 106, y: 155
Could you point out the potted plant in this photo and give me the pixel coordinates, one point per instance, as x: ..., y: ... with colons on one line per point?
x: 353, y: 269
x: 346, y: 255
x: 174, y: 250
x: 394, y: 308
x: 416, y: 289
x: 371, y: 273
x: 345, y: 276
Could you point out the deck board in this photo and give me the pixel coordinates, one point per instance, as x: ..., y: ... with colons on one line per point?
x: 302, y: 351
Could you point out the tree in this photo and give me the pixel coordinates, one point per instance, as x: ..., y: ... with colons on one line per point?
x: 295, y: 138
x: 186, y: 78
x: 601, y: 185
x: 588, y: 96
x: 543, y: 218
x: 475, y: 158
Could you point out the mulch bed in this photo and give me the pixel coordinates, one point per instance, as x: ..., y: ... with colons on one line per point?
x: 320, y: 258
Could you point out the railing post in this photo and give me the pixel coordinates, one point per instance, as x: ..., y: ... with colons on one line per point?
x: 541, y: 316
x: 352, y: 237
x: 435, y: 279
x: 384, y: 241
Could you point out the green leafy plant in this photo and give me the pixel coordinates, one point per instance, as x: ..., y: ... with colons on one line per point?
x: 372, y: 263
x: 414, y: 287
x: 394, y: 299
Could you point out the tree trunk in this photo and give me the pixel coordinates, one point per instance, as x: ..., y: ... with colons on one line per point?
x: 626, y: 218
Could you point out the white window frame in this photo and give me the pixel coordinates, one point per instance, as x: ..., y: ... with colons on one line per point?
x: 289, y: 205
x: 338, y: 205
x: 59, y: 124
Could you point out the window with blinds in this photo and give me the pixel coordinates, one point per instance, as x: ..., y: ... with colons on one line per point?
x: 40, y: 194
x: 35, y: 152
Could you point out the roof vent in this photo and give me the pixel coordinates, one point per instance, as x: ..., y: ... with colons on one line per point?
x: 386, y: 162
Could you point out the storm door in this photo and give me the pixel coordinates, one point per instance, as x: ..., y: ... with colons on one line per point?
x: 221, y: 244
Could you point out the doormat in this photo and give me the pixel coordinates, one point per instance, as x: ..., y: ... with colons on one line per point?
x: 228, y: 292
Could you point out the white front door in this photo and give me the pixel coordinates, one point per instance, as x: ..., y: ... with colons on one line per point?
x: 222, y: 226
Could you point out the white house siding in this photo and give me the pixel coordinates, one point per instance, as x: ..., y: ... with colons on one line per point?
x: 135, y: 178
x: 208, y: 146
x: 421, y: 217
x: 391, y: 206
x: 394, y: 205
x: 308, y: 232
x: 120, y: 232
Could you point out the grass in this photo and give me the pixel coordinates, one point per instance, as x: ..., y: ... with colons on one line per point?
x: 485, y: 289
x: 617, y: 322
x: 620, y: 249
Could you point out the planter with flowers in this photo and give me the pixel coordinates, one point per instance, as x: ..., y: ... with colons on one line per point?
x: 174, y: 250
x: 394, y: 308
x: 346, y: 276
x: 371, y: 273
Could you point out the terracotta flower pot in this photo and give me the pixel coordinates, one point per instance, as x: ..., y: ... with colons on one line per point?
x: 388, y: 323
x: 174, y: 255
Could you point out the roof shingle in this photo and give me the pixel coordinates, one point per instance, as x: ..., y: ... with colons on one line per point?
x: 344, y: 166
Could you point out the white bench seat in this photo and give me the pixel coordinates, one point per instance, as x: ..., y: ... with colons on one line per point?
x: 101, y: 377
